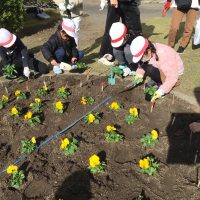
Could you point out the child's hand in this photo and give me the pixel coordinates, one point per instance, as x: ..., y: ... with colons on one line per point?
x: 53, y: 62
x: 74, y: 60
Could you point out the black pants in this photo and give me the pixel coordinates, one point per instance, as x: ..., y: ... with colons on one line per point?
x: 113, y: 16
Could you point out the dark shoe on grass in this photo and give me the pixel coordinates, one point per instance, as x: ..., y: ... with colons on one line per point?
x: 180, y: 50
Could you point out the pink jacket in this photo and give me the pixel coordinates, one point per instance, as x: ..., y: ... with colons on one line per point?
x: 169, y: 63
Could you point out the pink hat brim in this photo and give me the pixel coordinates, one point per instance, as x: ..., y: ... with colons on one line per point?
x: 12, y: 42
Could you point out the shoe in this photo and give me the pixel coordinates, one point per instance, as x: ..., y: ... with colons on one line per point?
x: 180, y: 50
x: 104, y: 61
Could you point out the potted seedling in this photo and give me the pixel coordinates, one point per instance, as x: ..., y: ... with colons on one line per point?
x: 69, y: 146
x: 95, y: 165
x: 111, y: 134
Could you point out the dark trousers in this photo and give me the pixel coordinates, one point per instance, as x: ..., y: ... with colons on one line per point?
x: 112, y: 17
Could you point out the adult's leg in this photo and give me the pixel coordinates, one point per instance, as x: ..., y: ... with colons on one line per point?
x: 189, y: 24
x: 177, y: 16
x: 76, y: 21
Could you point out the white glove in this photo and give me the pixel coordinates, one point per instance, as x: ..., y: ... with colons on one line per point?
x: 103, y: 4
x: 70, y: 6
x: 27, y: 72
x: 126, y: 71
x: 62, y: 7
x: 64, y: 66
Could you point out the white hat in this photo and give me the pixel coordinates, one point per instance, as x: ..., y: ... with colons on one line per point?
x: 69, y: 27
x: 7, y: 39
x: 138, y: 47
x: 117, y: 33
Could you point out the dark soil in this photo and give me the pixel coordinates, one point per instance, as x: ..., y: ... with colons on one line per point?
x: 52, y: 175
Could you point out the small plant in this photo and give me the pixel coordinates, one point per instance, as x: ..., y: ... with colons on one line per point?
x: 132, y: 117
x: 31, y: 119
x: 95, y: 165
x: 150, y: 90
x: 92, y: 118
x: 63, y: 92
x: 87, y: 100
x: 28, y: 146
x: 43, y: 91
x: 3, y: 101
x: 9, y: 71
x: 69, y: 146
x: 149, y: 166
x: 59, y: 107
x: 150, y: 139
x: 20, y: 95
x: 36, y: 106
x: 17, y: 177
x: 81, y: 65
x: 115, y: 106
x: 111, y: 135
x: 116, y: 71
x: 15, y: 112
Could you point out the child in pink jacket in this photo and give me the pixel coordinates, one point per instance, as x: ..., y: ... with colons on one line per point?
x: 158, y: 61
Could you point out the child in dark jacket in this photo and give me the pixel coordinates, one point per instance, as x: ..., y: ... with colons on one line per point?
x: 60, y: 50
x: 14, y: 52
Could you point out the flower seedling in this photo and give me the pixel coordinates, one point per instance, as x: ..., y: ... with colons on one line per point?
x: 149, y: 166
x: 111, y: 135
x: 36, y: 105
x: 9, y: 71
x: 15, y: 112
x: 20, y: 95
x: 87, y: 100
x: 95, y: 165
x: 132, y: 117
x: 59, y: 107
x: 69, y: 146
x: 150, y: 90
x: 43, y: 91
x: 116, y: 71
x: 17, y: 177
x: 115, y: 106
x: 150, y: 139
x: 92, y: 118
x: 63, y: 92
x: 81, y: 65
x: 28, y: 146
x: 3, y: 101
x: 33, y: 120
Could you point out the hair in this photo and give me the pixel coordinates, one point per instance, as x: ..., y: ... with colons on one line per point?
x: 153, y: 50
x: 59, y: 27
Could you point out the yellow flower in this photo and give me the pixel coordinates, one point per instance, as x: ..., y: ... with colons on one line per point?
x: 115, y: 106
x: 12, y: 169
x: 37, y: 100
x: 94, y: 161
x: 14, y: 111
x: 5, y: 98
x: 31, y: 105
x: 134, y: 112
x: 91, y: 118
x: 59, y: 105
x: 33, y: 140
x: 17, y: 92
x: 110, y: 128
x: 144, y: 163
x: 28, y: 115
x: 83, y: 100
x: 45, y: 88
x: 64, y: 143
x: 154, y: 134
x: 62, y: 89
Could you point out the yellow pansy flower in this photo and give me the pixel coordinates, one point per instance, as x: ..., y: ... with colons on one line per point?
x: 154, y: 134
x: 28, y: 115
x: 5, y: 98
x: 64, y: 143
x: 115, y: 106
x: 62, y: 89
x: 33, y: 140
x: 14, y: 111
x: 37, y: 100
x: 59, y: 105
x: 83, y: 100
x: 110, y: 128
x: 31, y: 105
x: 94, y: 161
x: 45, y: 88
x: 134, y: 112
x: 12, y: 169
x: 144, y: 163
x: 17, y: 92
x: 91, y: 118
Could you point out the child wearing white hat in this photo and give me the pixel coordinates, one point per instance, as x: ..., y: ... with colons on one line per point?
x: 158, y: 61
x: 14, y: 52
x: 61, y: 48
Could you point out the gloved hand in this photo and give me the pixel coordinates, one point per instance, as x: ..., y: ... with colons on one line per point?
x: 62, y: 7
x: 157, y: 95
x: 126, y: 71
x: 26, y: 72
x: 166, y: 7
x: 103, y: 4
x: 137, y: 79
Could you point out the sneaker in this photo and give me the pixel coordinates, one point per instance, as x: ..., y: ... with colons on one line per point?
x: 180, y: 50
x: 104, y: 61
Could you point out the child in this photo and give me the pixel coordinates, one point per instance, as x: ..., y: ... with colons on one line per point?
x: 159, y: 61
x: 14, y: 52
x: 61, y: 46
